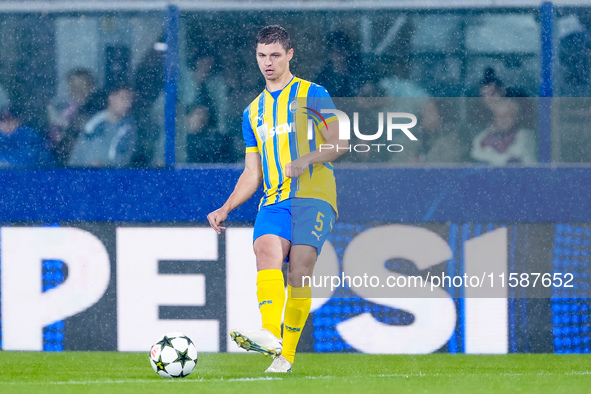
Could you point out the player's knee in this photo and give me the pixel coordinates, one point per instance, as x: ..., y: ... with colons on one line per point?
x: 263, y: 254
x: 267, y: 256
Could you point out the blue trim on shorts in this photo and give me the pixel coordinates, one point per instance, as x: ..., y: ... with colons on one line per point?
x: 274, y: 219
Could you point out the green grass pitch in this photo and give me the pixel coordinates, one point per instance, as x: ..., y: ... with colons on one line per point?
x: 88, y: 372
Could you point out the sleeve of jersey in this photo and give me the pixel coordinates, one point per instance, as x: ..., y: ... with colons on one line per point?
x: 248, y: 132
x: 319, y: 99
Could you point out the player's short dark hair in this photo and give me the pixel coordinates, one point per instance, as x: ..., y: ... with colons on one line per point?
x: 272, y: 34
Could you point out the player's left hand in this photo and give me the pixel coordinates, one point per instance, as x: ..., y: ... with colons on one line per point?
x: 295, y: 168
x: 216, y: 218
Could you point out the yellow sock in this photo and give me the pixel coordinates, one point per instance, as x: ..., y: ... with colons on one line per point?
x: 297, y: 309
x: 271, y: 296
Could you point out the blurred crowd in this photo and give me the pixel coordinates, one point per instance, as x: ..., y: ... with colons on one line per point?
x: 120, y: 124
x: 92, y: 127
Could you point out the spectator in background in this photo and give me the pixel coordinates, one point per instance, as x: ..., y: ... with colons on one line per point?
x: 417, y: 101
x: 206, y: 85
x: 491, y: 88
x: 368, y: 103
x: 339, y: 74
x: 574, y: 53
x: 67, y: 118
x: 504, y: 141
x: 199, y: 141
x: 149, y: 106
x: 109, y: 138
x: 20, y: 146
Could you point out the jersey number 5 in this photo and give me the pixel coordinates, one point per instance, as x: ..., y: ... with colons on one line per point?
x: 320, y: 224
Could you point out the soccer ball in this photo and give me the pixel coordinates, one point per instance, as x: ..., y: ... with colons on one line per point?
x: 173, y: 356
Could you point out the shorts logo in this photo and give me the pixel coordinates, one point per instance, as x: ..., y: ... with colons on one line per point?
x: 316, y: 235
x: 265, y: 302
x: 293, y: 329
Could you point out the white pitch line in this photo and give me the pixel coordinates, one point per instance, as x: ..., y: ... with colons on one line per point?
x: 265, y: 378
x: 88, y: 382
x: 120, y: 381
x: 392, y: 375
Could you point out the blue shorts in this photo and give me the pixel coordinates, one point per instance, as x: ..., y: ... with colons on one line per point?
x: 302, y: 221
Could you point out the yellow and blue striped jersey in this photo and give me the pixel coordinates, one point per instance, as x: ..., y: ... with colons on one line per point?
x: 276, y: 126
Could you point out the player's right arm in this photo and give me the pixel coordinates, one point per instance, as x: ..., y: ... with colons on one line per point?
x: 247, y: 185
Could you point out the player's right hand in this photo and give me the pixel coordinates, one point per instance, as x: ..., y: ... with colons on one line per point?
x: 216, y: 218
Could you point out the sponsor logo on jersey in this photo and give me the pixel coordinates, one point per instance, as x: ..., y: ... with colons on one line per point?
x: 265, y: 133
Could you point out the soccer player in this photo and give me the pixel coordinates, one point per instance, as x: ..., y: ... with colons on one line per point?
x: 298, y: 208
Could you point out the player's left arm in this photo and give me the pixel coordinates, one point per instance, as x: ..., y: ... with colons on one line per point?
x: 329, y: 151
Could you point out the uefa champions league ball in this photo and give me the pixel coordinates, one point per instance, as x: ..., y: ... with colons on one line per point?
x: 173, y: 356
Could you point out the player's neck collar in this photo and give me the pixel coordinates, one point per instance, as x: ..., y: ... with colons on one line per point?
x: 282, y: 89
